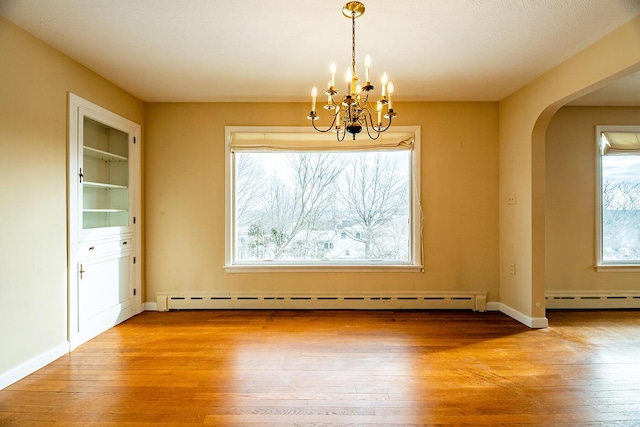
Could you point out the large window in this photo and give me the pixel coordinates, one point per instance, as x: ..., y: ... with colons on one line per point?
x: 297, y: 200
x: 618, y: 196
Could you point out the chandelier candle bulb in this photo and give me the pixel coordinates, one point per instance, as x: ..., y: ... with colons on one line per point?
x: 379, y: 105
x: 384, y: 85
x: 333, y: 75
x: 367, y: 65
x: 389, y: 93
x: 314, y: 95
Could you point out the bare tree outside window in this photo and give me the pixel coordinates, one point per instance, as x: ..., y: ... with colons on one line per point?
x: 319, y: 206
x: 250, y: 177
x: 372, y: 198
x: 620, y: 201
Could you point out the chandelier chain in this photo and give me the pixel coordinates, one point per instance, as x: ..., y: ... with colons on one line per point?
x: 353, y: 43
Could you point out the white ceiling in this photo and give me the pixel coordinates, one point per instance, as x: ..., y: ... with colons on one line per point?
x: 276, y: 50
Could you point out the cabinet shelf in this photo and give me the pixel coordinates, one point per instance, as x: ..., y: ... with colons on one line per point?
x: 103, y: 185
x: 104, y: 210
x: 103, y: 155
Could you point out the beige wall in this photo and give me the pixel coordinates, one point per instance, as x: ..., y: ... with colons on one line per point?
x: 570, y: 209
x: 524, y: 117
x: 185, y: 163
x: 466, y: 178
x: 34, y: 81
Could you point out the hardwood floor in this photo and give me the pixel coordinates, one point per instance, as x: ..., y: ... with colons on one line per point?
x: 327, y: 368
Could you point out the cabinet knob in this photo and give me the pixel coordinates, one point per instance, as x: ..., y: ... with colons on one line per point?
x: 92, y: 248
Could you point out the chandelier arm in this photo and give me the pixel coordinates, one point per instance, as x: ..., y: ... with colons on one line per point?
x: 371, y: 106
x: 324, y: 130
x: 366, y: 124
x: 388, y: 124
x: 344, y: 134
x: 373, y: 138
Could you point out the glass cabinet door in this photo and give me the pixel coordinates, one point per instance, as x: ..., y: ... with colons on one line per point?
x: 104, y: 171
x: 105, y: 176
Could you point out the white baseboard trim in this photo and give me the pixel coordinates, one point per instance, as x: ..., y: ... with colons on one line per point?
x: 532, y: 322
x: 493, y: 306
x: 30, y: 366
x: 150, y: 306
x: 153, y: 306
x: 599, y: 300
x: 472, y: 300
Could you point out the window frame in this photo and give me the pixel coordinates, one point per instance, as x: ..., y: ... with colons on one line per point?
x: 600, y: 264
x: 415, y: 264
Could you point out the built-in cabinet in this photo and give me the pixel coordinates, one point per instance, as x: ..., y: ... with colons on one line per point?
x: 104, y: 220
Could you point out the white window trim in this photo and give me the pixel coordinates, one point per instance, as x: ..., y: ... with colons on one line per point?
x: 602, y: 266
x: 415, y: 265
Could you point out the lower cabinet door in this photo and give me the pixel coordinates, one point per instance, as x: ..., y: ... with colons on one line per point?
x: 105, y: 293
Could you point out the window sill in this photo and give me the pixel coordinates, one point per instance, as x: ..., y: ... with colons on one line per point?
x: 323, y: 269
x: 618, y: 268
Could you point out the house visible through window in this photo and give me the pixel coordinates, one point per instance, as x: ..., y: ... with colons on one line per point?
x: 345, y: 204
x: 618, y: 219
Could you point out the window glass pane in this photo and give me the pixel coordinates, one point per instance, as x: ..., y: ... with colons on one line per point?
x: 323, y: 207
x: 620, y: 208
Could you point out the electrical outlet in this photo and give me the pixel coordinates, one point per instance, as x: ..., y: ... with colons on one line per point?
x: 511, y: 199
x: 512, y: 269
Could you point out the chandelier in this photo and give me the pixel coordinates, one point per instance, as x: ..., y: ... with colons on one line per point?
x: 355, y: 111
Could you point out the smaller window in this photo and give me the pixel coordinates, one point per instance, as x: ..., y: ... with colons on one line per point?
x: 618, y: 196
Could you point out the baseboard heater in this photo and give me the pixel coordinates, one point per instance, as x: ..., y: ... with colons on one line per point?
x: 476, y: 301
x: 592, y: 299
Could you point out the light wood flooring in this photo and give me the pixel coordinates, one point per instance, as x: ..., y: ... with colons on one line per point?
x: 341, y: 368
